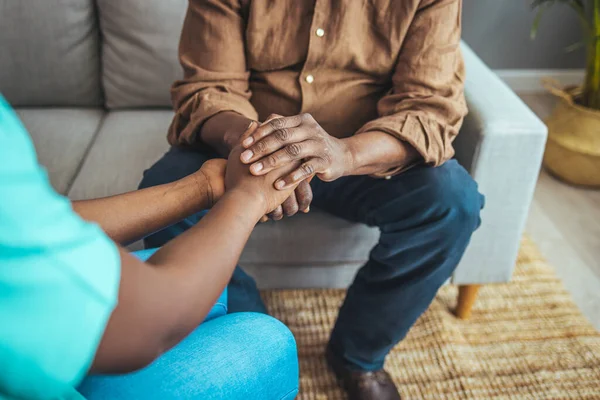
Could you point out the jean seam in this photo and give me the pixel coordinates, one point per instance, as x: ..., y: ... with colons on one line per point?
x: 288, y: 393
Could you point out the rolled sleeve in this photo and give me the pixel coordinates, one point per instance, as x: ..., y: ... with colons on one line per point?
x: 212, y: 54
x: 426, y: 106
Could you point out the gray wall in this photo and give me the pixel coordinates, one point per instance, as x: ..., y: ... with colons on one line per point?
x: 498, y: 30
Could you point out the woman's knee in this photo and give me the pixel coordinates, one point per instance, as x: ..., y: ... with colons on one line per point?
x: 237, y: 356
x: 275, y: 346
x: 269, y: 359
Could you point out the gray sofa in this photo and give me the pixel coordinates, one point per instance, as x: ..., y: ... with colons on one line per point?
x: 90, y: 80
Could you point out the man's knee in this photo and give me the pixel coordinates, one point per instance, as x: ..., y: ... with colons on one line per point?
x: 445, y: 198
x: 452, y: 198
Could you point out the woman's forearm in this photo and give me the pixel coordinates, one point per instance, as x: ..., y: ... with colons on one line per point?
x: 159, y: 306
x: 130, y: 216
x: 215, y: 245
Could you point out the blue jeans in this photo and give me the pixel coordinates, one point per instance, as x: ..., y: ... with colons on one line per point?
x: 237, y: 356
x: 426, y: 217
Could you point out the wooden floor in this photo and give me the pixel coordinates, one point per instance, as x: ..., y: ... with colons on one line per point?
x: 564, y: 222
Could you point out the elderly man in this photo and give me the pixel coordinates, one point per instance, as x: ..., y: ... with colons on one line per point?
x: 369, y: 96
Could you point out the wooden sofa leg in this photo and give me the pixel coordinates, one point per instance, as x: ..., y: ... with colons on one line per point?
x: 467, y: 294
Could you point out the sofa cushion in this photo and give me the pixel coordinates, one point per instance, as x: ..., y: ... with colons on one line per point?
x: 49, y: 53
x: 315, y: 238
x: 127, y: 144
x: 139, y: 51
x: 61, y: 138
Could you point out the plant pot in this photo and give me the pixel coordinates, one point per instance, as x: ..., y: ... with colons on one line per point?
x: 573, y: 146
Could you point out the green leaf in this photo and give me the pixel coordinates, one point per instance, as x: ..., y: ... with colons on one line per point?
x: 536, y: 22
x: 579, y: 6
x: 575, y: 46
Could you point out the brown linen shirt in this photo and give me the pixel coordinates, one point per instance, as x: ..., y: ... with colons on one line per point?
x: 356, y: 65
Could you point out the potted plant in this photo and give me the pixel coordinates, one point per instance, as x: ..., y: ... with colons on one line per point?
x: 573, y: 147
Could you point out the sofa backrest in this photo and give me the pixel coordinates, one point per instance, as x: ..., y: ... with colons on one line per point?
x: 117, y: 53
x: 139, y: 50
x: 49, y: 53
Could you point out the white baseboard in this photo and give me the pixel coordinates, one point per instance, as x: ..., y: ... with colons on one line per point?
x: 529, y: 80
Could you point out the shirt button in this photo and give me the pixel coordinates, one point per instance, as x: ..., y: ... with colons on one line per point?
x: 388, y: 177
x: 310, y: 78
x: 320, y: 32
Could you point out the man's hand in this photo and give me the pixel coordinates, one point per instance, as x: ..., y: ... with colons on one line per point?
x: 299, y: 200
x: 238, y: 177
x: 296, y: 139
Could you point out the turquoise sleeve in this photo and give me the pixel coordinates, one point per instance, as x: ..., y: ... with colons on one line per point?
x: 59, y: 277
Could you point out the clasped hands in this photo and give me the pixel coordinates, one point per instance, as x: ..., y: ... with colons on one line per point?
x: 281, y: 156
x: 300, y: 141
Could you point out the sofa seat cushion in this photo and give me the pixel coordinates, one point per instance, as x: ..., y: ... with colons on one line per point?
x: 314, y: 238
x: 314, y: 250
x: 61, y: 138
x: 127, y: 144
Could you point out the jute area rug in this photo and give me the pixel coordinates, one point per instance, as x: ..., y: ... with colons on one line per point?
x: 525, y: 340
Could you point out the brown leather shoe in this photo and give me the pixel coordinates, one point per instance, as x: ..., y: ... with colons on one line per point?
x: 363, y: 385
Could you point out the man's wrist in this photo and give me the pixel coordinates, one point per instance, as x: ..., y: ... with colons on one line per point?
x: 349, y: 151
x: 376, y: 153
x: 238, y: 124
x: 223, y: 130
x: 231, y: 138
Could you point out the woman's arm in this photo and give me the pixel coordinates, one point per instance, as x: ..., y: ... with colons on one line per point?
x: 128, y: 217
x: 163, y: 300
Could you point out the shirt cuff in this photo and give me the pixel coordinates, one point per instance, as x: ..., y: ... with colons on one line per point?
x: 429, y: 138
x: 186, y: 125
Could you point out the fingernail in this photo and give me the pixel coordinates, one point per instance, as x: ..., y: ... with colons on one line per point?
x: 279, y: 184
x: 248, y: 141
x: 247, y: 155
x: 307, y: 209
x: 257, y: 167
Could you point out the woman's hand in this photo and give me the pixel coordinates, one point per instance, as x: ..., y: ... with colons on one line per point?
x: 211, y: 178
x: 238, y: 177
x: 297, y: 139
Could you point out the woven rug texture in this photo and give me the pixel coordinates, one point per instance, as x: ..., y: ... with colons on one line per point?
x: 525, y: 340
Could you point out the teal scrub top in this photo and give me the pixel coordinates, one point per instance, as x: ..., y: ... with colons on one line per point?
x: 59, y: 277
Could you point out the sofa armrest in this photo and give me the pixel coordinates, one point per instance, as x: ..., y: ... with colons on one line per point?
x: 501, y: 144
